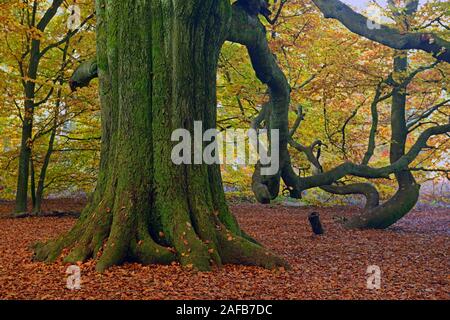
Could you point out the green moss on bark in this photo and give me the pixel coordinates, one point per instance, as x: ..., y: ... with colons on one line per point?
x: 157, y: 63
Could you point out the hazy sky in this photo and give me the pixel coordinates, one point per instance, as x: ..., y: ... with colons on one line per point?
x: 363, y: 3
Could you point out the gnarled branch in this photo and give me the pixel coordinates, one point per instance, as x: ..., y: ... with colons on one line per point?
x: 391, y: 37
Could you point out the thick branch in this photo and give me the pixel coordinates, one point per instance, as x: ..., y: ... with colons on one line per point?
x: 49, y: 14
x: 359, y: 24
x: 366, y: 189
x: 85, y: 72
x: 246, y: 29
x: 364, y: 171
x: 426, y: 114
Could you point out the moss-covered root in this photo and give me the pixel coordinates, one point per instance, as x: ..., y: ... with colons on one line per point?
x: 50, y: 251
x: 146, y: 251
x: 385, y: 215
x: 88, y: 237
x: 82, y: 245
x: 193, y: 252
x: 129, y: 240
x: 238, y: 250
x: 84, y: 240
x: 122, y: 234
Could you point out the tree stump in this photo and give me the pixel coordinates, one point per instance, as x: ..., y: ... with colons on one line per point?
x: 316, y: 225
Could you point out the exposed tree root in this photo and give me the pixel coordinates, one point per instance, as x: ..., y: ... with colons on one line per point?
x: 386, y: 214
x: 94, y: 236
x: 238, y: 250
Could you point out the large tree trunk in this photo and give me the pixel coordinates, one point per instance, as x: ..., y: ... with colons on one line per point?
x: 157, y: 64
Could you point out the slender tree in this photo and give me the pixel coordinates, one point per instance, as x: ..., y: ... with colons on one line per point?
x: 30, y: 73
x: 38, y: 190
x: 37, y: 23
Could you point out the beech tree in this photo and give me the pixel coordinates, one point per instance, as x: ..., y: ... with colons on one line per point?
x: 157, y: 62
x: 395, y: 87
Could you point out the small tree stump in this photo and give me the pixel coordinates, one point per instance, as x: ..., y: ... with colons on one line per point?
x: 316, y: 225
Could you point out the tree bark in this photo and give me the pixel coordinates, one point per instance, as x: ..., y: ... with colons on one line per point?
x: 39, y: 196
x: 32, y: 182
x: 157, y: 64
x: 27, y: 131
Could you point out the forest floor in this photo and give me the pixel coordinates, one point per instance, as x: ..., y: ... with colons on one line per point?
x: 413, y: 256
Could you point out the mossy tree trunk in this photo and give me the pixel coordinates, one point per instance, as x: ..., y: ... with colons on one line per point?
x: 157, y: 64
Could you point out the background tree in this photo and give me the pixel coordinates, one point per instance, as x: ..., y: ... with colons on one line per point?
x: 376, y: 215
x: 35, y: 61
x: 35, y: 21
